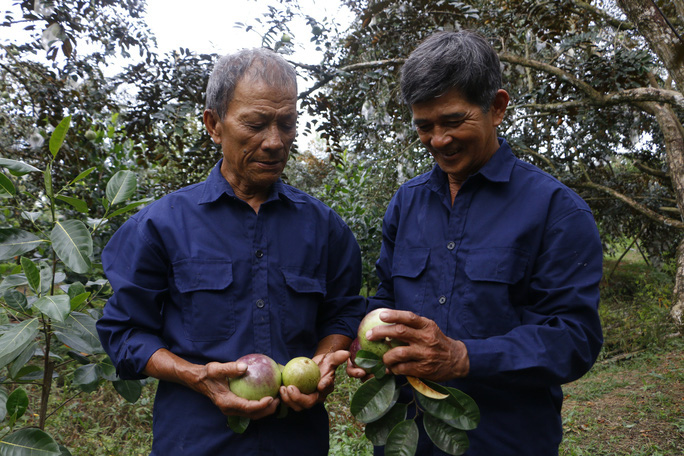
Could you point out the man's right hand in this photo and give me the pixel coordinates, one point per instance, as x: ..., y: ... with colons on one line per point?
x: 210, y: 380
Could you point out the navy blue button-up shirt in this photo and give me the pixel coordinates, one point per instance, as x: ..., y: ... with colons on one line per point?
x: 512, y: 269
x: 201, y: 274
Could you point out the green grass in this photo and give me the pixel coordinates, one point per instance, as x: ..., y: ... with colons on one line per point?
x: 630, y: 403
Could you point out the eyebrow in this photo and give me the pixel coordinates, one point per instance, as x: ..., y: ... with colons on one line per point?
x: 452, y: 116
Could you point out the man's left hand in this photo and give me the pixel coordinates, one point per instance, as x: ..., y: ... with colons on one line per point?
x: 429, y: 355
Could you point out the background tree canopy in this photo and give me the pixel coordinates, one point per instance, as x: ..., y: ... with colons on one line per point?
x: 596, y: 89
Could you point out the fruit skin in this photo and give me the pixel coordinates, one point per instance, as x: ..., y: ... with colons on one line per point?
x: 303, y: 373
x: 263, y: 378
x: 370, y: 321
x: 353, y: 349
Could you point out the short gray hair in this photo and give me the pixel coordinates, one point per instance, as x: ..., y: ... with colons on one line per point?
x: 258, y: 64
x: 462, y: 60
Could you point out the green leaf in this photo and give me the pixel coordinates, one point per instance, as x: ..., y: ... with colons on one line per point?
x: 56, y: 307
x: 458, y: 410
x: 129, y: 207
x: 121, y: 187
x: 58, y: 135
x: 371, y: 363
x: 75, y: 289
x: 79, y: 204
x: 73, y: 244
x: 403, y: 439
x: 29, y: 442
x: 13, y: 281
x: 128, y: 389
x: 27, y: 374
x: 108, y: 370
x: 378, y: 430
x: 83, y: 175
x: 373, y: 399
x: 47, y: 176
x: 23, y: 358
x: 80, y: 299
x: 16, y: 339
x: 17, y: 403
x: 445, y: 437
x: 7, y: 189
x: 238, y: 424
x: 15, y: 242
x: 16, y: 301
x: 78, y: 357
x: 17, y: 168
x: 87, y: 377
x: 32, y: 275
x: 79, y: 332
x: 3, y: 404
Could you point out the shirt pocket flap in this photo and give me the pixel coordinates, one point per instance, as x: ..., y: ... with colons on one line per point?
x: 410, y: 262
x: 303, y: 283
x: 503, y: 265
x: 193, y: 275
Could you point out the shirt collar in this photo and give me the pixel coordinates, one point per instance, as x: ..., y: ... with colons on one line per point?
x: 497, y: 169
x: 216, y: 185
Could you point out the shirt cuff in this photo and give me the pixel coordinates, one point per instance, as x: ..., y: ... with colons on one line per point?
x: 138, y: 350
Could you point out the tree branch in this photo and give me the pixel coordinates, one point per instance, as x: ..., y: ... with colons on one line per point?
x: 667, y: 221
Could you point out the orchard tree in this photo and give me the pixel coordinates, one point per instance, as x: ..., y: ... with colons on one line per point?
x: 596, y: 100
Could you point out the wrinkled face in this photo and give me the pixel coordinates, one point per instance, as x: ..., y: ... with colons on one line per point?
x: 256, y: 134
x: 457, y: 133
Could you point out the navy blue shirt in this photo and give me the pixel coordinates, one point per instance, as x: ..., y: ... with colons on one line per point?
x: 512, y: 269
x: 201, y: 274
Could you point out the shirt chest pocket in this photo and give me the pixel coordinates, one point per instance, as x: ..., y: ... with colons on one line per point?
x: 207, y: 304
x: 408, y: 266
x: 489, y: 299
x: 299, y: 307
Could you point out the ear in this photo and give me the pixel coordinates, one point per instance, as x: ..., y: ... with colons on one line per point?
x: 499, y: 105
x: 212, y: 124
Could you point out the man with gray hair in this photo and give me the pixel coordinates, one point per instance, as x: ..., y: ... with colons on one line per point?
x: 490, y: 267
x: 238, y: 264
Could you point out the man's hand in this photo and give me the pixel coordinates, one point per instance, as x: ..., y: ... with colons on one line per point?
x: 212, y: 381
x: 327, y: 363
x: 429, y: 354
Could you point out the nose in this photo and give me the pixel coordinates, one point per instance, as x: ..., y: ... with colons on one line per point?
x: 273, y: 139
x: 440, y: 138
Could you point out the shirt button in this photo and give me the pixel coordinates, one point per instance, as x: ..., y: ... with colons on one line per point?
x: 442, y: 299
x: 259, y: 254
x: 260, y: 303
x: 451, y: 245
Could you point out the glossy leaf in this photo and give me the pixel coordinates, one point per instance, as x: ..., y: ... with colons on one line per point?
x: 73, y: 244
x: 58, y: 135
x: 79, y: 358
x: 47, y: 177
x: 378, y: 430
x: 128, y: 389
x: 121, y: 187
x: 7, y: 189
x: 371, y: 363
x: 16, y: 339
x: 29, y: 442
x: 373, y: 399
x: 445, y: 437
x: 238, y: 424
x: 87, y: 377
x: 56, y: 307
x: 3, y: 404
x: 79, y: 204
x: 23, y: 358
x: 129, y: 207
x: 16, y: 301
x: 458, y: 410
x: 17, y: 168
x: 15, y: 242
x: 13, y: 281
x: 17, y: 403
x: 403, y: 439
x: 32, y: 275
x: 76, y: 301
x: 418, y: 385
x: 83, y: 174
x: 78, y: 332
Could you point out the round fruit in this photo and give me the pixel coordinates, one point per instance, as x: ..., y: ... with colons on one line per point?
x: 370, y: 321
x: 303, y: 373
x: 263, y: 378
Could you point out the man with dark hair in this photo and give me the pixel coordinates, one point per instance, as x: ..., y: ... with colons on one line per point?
x: 238, y: 264
x: 489, y: 266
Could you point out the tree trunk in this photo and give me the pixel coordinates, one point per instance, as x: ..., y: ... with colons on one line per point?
x: 666, y: 44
